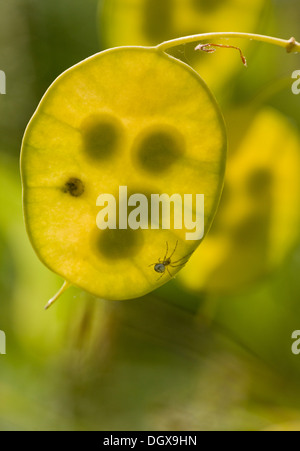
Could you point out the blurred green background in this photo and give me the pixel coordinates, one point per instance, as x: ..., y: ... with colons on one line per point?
x: 210, y: 350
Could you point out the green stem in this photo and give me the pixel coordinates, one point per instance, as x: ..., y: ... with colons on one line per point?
x: 291, y: 45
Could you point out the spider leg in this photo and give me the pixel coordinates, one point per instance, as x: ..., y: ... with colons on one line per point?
x: 174, y: 249
x: 153, y: 264
x: 169, y: 273
x: 161, y: 276
x: 167, y: 251
x: 183, y: 258
x: 180, y: 264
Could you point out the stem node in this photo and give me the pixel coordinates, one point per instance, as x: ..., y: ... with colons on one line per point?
x: 291, y: 45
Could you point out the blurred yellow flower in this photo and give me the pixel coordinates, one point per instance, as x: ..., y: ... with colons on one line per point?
x: 258, y: 220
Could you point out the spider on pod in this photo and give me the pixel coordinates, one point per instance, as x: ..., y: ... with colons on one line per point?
x: 163, y: 264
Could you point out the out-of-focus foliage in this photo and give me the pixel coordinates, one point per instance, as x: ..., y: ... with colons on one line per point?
x: 149, y: 22
x: 34, y: 36
x: 257, y: 224
x: 175, y: 360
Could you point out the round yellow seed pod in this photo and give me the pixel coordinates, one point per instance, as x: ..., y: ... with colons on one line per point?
x: 130, y: 117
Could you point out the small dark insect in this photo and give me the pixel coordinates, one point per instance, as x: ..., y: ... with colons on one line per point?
x: 163, y: 264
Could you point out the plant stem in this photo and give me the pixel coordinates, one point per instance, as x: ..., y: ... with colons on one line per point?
x: 291, y: 45
x: 65, y: 286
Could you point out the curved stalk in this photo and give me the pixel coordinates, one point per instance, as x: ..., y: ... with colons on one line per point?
x: 291, y: 45
x: 65, y: 286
